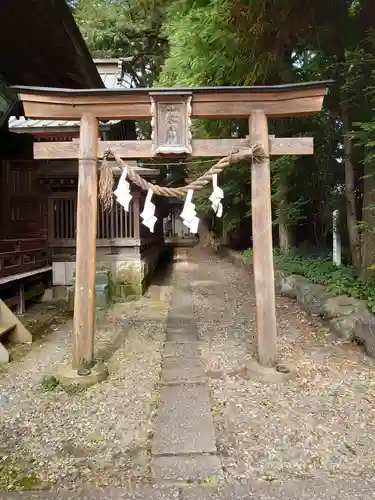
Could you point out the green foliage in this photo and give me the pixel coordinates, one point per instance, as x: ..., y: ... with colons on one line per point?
x: 340, y: 281
x: 128, y: 29
x: 200, y: 38
x: 362, y: 84
x: 354, y: 7
x: 287, y: 211
x: 236, y: 201
x: 251, y: 42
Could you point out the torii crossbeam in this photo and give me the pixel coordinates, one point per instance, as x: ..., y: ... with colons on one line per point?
x: 170, y: 112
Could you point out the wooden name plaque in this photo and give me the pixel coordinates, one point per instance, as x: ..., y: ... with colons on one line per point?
x: 171, y: 123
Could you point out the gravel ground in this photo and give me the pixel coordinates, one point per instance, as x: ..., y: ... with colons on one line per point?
x: 99, y: 436
x: 321, y: 424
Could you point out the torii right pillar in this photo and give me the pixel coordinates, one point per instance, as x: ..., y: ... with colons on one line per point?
x: 261, y: 212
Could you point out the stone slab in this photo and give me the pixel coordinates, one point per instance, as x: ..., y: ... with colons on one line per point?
x: 138, y: 493
x: 181, y: 370
x: 180, y: 321
x: 186, y: 468
x: 330, y: 489
x: 182, y: 333
x: 184, y: 422
x: 183, y: 349
x: 348, y: 489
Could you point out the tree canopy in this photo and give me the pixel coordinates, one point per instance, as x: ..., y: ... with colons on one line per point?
x: 249, y: 42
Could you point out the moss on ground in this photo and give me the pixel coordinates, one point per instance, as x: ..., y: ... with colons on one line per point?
x: 14, y: 478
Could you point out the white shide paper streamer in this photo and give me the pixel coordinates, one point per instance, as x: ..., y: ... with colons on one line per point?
x: 189, y: 214
x: 122, y: 191
x: 148, y: 213
x: 216, y: 197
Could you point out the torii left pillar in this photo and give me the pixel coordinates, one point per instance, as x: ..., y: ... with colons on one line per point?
x: 87, y: 207
x: 83, y: 370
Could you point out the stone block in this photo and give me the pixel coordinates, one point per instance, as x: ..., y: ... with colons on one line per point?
x: 70, y: 298
x: 280, y: 278
x: 312, y: 297
x: 289, y: 284
x: 343, y: 306
x: 364, y: 332
x: 183, y: 349
x: 127, y: 282
x: 186, y: 468
x: 182, y: 370
x: 184, y: 423
x: 60, y: 292
x: 48, y: 295
x: 344, y: 326
x: 102, y: 289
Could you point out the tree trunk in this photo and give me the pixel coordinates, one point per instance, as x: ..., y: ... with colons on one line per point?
x: 351, y: 208
x: 225, y: 237
x: 285, y: 230
x: 368, y: 218
x: 285, y: 237
x: 205, y: 236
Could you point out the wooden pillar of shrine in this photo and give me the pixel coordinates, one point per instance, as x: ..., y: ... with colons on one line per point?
x: 87, y: 202
x: 261, y: 213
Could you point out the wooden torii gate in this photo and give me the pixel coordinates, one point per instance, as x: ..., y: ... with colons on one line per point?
x: 170, y: 112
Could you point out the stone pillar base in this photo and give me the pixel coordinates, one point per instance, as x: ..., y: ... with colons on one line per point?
x: 274, y: 375
x: 67, y: 376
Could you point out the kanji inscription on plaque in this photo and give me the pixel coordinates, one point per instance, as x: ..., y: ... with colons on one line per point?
x: 171, y: 123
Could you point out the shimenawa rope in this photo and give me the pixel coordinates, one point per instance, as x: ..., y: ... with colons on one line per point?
x: 253, y: 154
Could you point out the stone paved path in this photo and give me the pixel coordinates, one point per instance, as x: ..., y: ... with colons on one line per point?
x: 184, y: 444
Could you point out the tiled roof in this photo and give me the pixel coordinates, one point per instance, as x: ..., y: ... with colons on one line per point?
x: 113, y: 76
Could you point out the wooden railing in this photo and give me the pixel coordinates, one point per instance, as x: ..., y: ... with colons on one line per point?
x: 22, y: 255
x: 114, y: 225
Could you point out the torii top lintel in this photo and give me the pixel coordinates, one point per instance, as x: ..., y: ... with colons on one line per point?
x: 293, y: 100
